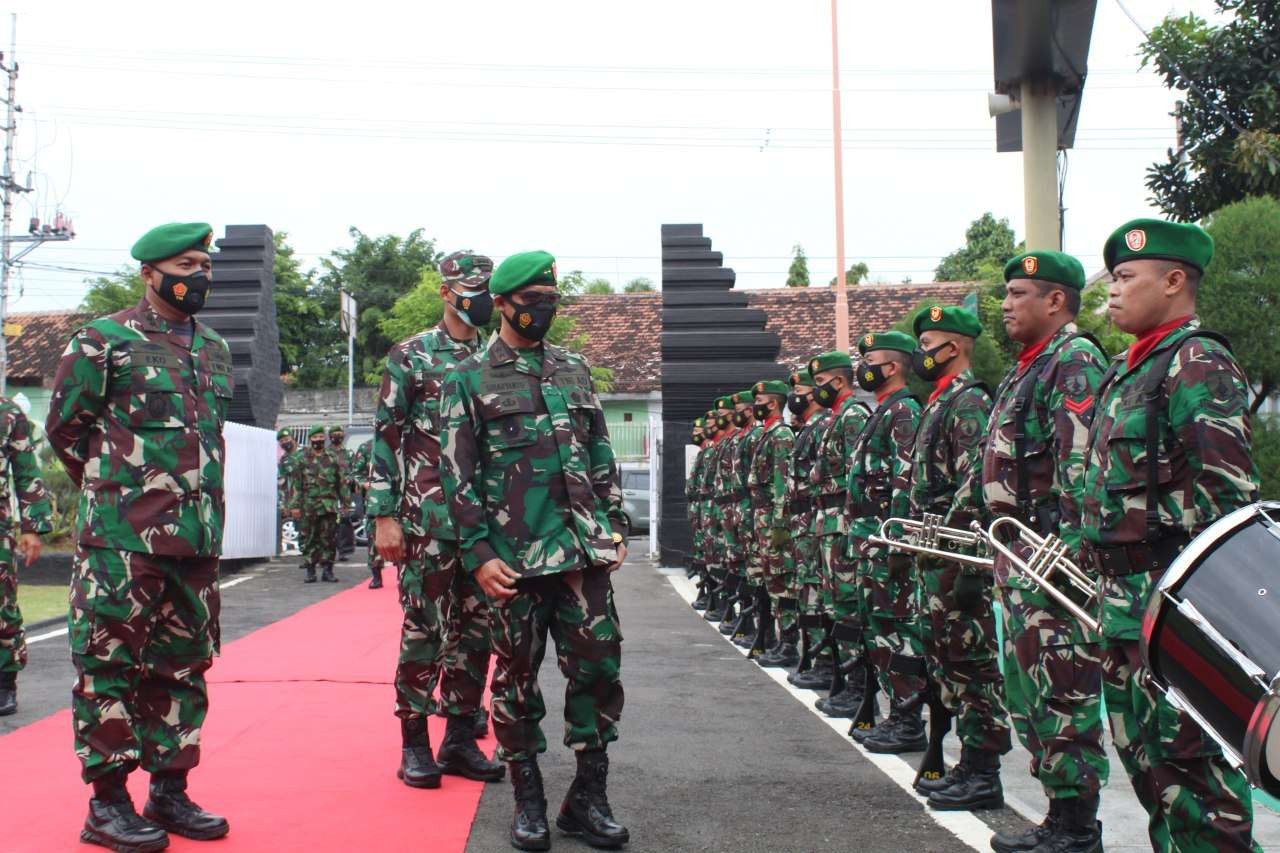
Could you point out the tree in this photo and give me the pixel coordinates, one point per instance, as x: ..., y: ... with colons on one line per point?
x: 856, y: 275
x: 298, y: 314
x: 108, y: 294
x: 1229, y: 120
x: 639, y: 285
x: 987, y: 240
x: 798, y: 272
x: 598, y: 287
x: 989, y: 361
x: 1240, y: 292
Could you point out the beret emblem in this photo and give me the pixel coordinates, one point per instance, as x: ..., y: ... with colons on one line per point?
x: 1135, y: 239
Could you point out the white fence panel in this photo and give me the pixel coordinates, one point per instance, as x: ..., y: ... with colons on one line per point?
x: 252, y: 522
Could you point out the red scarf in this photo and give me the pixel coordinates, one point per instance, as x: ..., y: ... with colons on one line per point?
x: 884, y: 395
x: 1029, y: 354
x: 839, y: 404
x: 941, y: 385
x: 1150, y: 339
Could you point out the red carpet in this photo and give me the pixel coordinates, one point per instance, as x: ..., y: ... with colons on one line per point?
x: 299, y: 751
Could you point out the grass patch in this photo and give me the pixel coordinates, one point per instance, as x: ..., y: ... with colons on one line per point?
x: 41, y: 602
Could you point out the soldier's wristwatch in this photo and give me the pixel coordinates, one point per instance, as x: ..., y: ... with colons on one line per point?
x: 617, y: 538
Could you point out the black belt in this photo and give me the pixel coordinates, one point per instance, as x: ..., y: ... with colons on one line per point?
x: 801, y: 504
x: 759, y: 503
x: 1115, y: 561
x: 731, y: 498
x: 831, y: 501
x: 868, y: 509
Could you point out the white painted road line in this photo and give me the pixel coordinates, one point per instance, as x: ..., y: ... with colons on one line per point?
x: 968, y: 828
x: 228, y: 584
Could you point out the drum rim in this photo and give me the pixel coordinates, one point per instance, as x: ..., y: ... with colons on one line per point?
x: 1265, y: 716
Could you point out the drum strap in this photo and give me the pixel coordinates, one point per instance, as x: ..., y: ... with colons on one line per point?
x: 935, y: 482
x: 869, y: 431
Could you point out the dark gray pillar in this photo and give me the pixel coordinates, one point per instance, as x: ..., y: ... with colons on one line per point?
x: 712, y: 345
x: 242, y: 309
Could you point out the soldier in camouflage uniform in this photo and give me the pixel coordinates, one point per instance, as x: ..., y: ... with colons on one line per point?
x: 317, y: 493
x: 879, y: 488
x: 956, y: 617
x: 748, y: 559
x: 1032, y: 464
x: 346, y: 532
x: 1138, y: 511
x: 139, y: 401
x: 767, y: 480
x: 438, y: 597
x: 693, y: 499
x: 833, y: 380
x: 361, y: 468
x: 811, y: 421
x: 286, y: 462
x: 715, y: 485
x: 20, y: 486
x: 533, y: 491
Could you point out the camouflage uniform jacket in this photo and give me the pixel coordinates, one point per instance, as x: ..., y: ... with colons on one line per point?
x: 1056, y: 428
x: 769, y: 475
x: 361, y: 464
x: 880, y: 471
x: 830, y: 473
x: 948, y: 447
x: 20, y: 475
x: 319, y: 484
x: 723, y: 481
x: 136, y: 418
x: 525, y: 461
x: 1204, y: 470
x: 284, y: 475
x: 803, y: 456
x: 406, y: 433
x: 742, y: 470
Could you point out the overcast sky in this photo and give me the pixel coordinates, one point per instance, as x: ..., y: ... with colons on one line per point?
x: 577, y: 127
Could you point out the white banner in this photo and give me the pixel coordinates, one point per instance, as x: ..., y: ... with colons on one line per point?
x: 249, y: 481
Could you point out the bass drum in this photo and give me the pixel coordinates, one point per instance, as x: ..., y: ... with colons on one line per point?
x: 1211, y: 637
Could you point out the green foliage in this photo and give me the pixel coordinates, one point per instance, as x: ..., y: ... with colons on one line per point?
x: 798, y: 272
x: 639, y: 285
x: 298, y: 313
x: 598, y: 287
x: 63, y: 494
x: 987, y: 241
x: 1240, y: 292
x: 857, y: 274
x: 989, y: 362
x: 108, y: 294
x: 1230, y: 121
x: 1266, y: 455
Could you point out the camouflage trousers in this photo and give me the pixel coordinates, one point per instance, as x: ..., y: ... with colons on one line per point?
x: 807, y: 581
x: 888, y: 611
x: 577, y: 609
x: 779, y: 576
x: 13, y: 644
x: 840, y: 595
x: 318, y: 539
x: 960, y: 648
x: 444, y: 637
x: 1053, y: 690
x: 1195, y: 800
x: 730, y: 547
x: 143, y: 631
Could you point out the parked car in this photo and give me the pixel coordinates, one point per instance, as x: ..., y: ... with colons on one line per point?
x: 635, y: 496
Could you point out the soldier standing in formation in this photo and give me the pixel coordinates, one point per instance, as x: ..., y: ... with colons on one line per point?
x: 361, y: 467
x: 1146, y: 493
x: 771, y: 527
x: 20, y: 484
x: 719, y: 536
x: 346, y: 532
x: 693, y: 498
x: 439, y: 596
x: 139, y: 401
x: 746, y: 558
x: 317, y: 493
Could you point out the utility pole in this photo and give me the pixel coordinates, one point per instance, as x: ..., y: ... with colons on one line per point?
x: 37, y: 235
x: 842, y: 301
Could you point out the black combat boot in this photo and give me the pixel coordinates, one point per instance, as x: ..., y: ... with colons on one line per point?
x: 880, y: 729
x: 459, y: 755
x: 586, y: 809
x: 113, y: 823
x: 703, y: 596
x: 418, y: 766
x: 376, y: 579
x: 311, y: 573
x: 172, y: 810
x: 327, y: 573
x: 978, y: 788
x: 816, y: 677
x: 529, y: 829
x: 743, y: 631
x: 480, y: 724
x: 8, y: 693
x: 902, y: 732
x: 1008, y: 841
x: 844, y: 703
x: 1078, y: 829
x: 713, y: 599
x: 785, y: 654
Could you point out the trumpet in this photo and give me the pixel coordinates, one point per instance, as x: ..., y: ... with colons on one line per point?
x: 930, y: 536
x: 1047, y: 560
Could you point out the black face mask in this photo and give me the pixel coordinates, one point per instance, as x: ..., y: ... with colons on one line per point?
x: 925, y: 362
x: 797, y: 403
x: 287, y: 447
x: 531, y: 322
x: 336, y: 442
x: 762, y: 413
x: 317, y: 446
x: 826, y: 394
x: 722, y: 422
x: 740, y: 419
x: 184, y: 292
x: 871, y: 376
x: 475, y: 307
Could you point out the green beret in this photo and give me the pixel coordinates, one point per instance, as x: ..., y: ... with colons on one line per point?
x: 525, y: 268
x: 829, y: 361
x: 1057, y: 267
x: 165, y: 241
x: 900, y: 341
x: 698, y: 423
x: 282, y: 432
x: 725, y: 402
x: 337, y: 428
x: 1139, y: 239
x: 801, y: 377
x: 743, y: 397
x: 772, y: 386
x: 951, y: 318
x: 314, y: 431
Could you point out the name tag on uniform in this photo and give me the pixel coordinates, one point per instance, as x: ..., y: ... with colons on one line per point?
x: 153, y: 355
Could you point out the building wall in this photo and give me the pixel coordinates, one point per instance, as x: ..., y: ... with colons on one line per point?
x: 39, y: 399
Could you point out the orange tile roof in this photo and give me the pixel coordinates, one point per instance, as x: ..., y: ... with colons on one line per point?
x: 34, y: 354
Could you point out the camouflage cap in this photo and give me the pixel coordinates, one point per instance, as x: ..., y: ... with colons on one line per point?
x: 318, y: 429
x: 165, y: 241
x: 1057, y: 267
x: 743, y: 397
x: 523, y: 269
x: 466, y: 267
x: 829, y: 361
x: 771, y: 386
x: 951, y: 318
x: 900, y: 341
x: 1157, y: 239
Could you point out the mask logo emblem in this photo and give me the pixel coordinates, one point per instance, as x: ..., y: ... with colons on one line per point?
x: 179, y: 291
x: 525, y: 320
